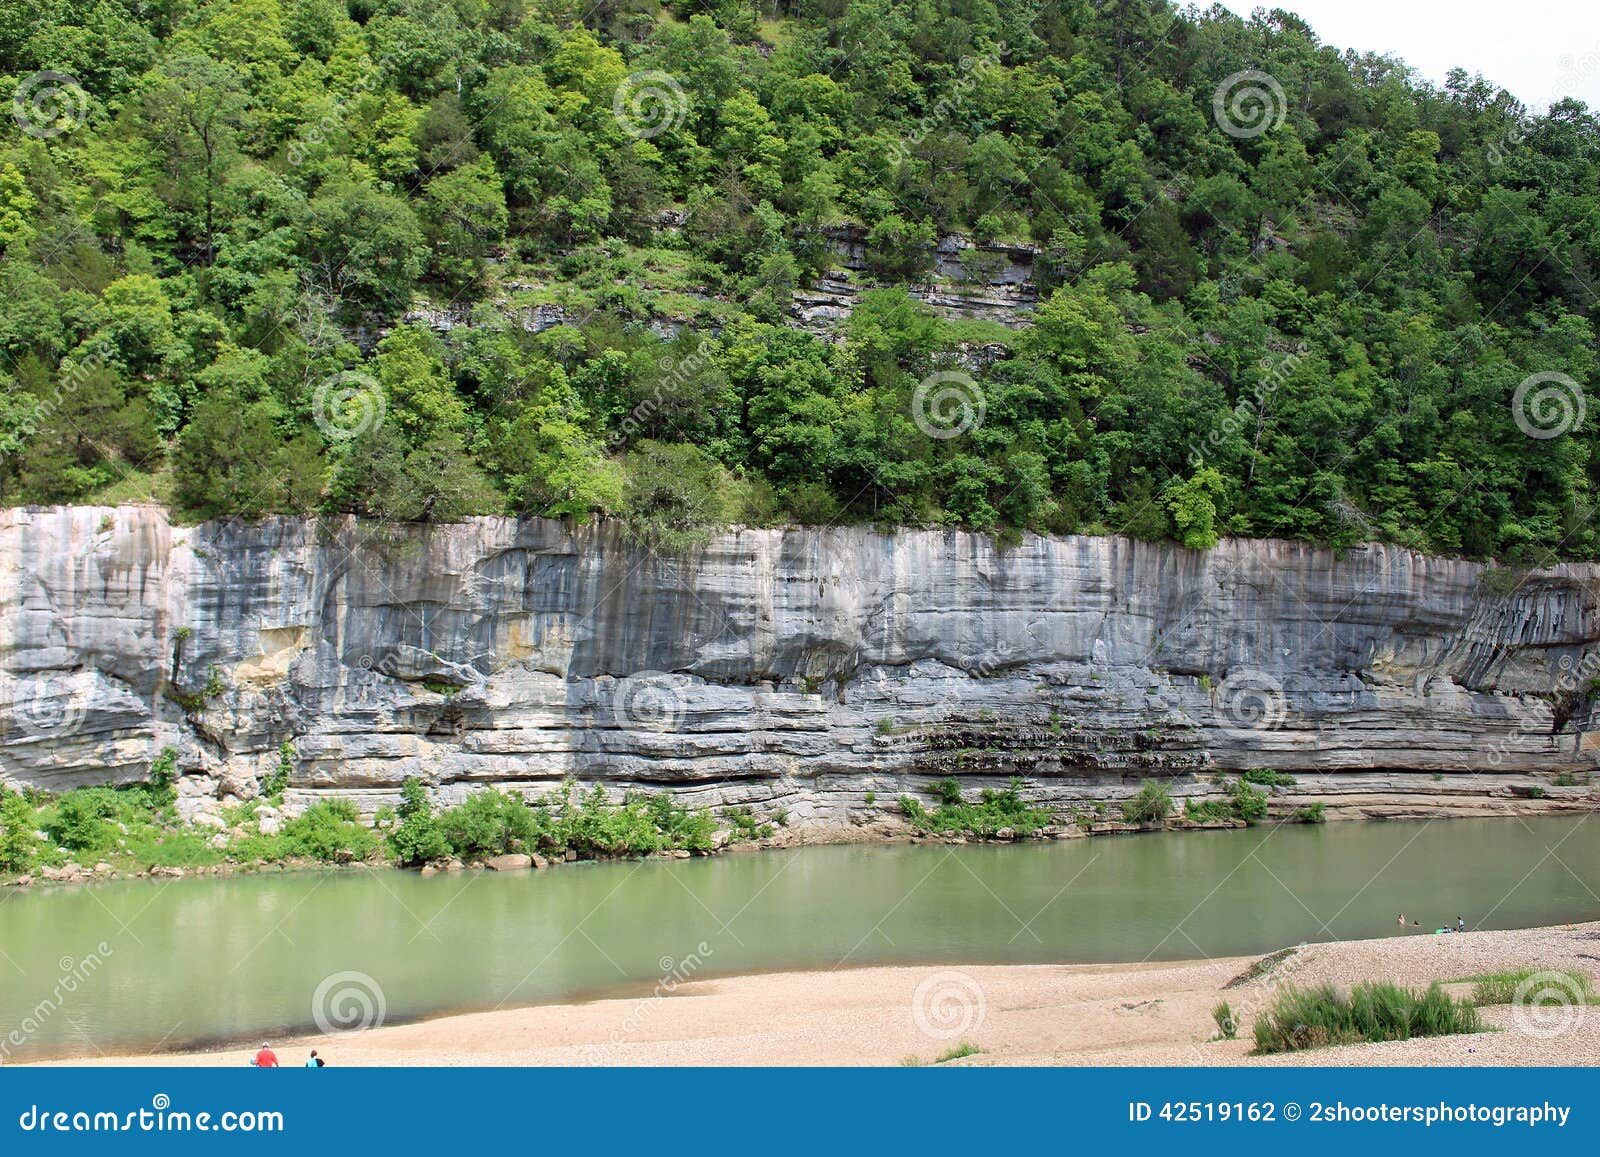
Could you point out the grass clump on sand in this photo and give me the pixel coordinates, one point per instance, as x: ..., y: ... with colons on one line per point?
x: 1309, y: 1018
x: 954, y: 1053
x: 1532, y: 985
x: 1227, y: 1020
x: 996, y: 810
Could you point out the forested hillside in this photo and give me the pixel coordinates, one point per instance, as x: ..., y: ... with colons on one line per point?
x: 415, y: 259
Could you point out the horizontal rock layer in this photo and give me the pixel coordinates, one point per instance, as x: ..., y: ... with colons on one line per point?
x: 801, y: 667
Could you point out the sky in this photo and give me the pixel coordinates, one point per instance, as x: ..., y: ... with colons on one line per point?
x: 1539, y: 50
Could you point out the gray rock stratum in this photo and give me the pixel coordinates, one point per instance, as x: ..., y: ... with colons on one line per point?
x: 793, y: 668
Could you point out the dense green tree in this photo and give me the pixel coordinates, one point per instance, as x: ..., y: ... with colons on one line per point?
x: 362, y: 247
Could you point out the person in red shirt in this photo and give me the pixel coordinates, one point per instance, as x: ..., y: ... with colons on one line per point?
x: 266, y: 1058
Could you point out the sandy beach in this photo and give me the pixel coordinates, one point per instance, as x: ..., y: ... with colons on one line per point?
x: 1128, y: 1014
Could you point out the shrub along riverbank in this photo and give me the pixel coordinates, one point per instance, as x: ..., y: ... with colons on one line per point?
x: 133, y: 829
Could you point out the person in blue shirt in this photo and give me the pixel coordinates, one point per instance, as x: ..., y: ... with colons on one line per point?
x: 313, y: 1061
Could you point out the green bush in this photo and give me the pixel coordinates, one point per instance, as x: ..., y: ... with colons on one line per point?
x: 916, y: 813
x: 276, y: 781
x: 1249, y: 804
x: 641, y: 824
x: 996, y: 809
x: 676, y: 495
x: 1266, y: 777
x: 488, y: 823
x: 80, y: 820
x: 330, y: 830
x: 1152, y: 805
x: 152, y: 846
x: 416, y: 839
x: 745, y: 824
x: 1308, y: 1018
x: 693, y: 831
x: 1312, y: 813
x: 1207, y: 811
x: 18, y: 845
x: 163, y: 774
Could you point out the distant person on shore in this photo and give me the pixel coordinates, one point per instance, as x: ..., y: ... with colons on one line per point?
x: 1461, y: 923
x: 313, y: 1061
x: 265, y: 1058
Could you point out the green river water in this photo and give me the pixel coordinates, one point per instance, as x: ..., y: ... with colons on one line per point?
x: 148, y: 963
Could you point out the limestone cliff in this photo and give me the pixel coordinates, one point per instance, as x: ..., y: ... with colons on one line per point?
x: 802, y: 667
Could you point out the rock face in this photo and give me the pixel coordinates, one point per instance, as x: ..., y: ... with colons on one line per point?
x: 796, y: 668
x: 984, y: 282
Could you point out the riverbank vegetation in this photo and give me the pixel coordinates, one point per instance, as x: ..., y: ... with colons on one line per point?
x: 1246, y: 798
x: 492, y: 823
x: 137, y: 828
x: 1309, y: 1018
x: 1152, y: 805
x: 415, y: 261
x: 998, y: 813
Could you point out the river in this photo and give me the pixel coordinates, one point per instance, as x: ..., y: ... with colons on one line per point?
x: 150, y: 963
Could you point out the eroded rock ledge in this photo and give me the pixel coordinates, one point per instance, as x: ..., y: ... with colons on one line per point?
x: 805, y: 668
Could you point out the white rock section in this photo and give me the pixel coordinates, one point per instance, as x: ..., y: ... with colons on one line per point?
x: 801, y: 667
